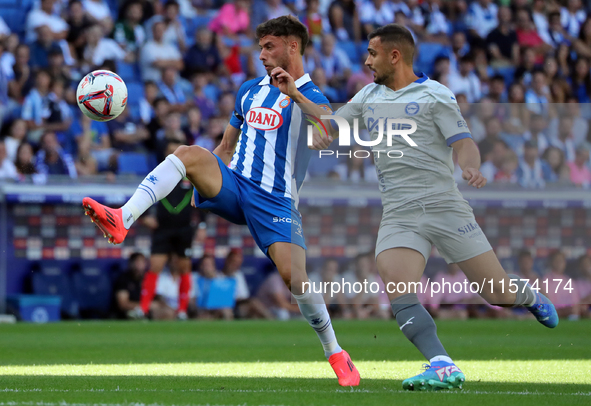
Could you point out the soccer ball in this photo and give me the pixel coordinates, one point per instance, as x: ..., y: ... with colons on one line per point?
x: 101, y: 95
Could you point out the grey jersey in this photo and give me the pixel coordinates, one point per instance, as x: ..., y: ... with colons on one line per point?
x: 424, y: 172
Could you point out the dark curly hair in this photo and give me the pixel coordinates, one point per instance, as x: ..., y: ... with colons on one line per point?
x: 284, y: 26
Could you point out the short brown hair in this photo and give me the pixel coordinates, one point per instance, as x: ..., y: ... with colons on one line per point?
x: 398, y: 36
x: 284, y: 26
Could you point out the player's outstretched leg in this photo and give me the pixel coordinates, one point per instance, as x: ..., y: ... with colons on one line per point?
x: 405, y: 265
x: 198, y: 164
x: 114, y: 223
x: 487, y: 267
x: 290, y: 260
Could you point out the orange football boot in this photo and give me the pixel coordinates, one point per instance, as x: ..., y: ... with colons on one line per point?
x: 108, y: 220
x: 343, y: 366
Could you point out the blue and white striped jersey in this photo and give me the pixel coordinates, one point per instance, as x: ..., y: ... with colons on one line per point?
x: 272, y: 149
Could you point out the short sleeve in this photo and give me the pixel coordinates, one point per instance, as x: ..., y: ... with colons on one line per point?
x: 448, y: 117
x: 237, y: 117
x: 314, y: 94
x: 353, y: 109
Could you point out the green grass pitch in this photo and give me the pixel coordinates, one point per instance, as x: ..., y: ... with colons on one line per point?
x: 273, y: 363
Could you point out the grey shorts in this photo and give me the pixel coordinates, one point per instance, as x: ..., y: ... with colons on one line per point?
x: 449, y: 225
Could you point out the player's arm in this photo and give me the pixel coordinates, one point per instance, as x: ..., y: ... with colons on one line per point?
x: 123, y: 301
x: 469, y: 161
x: 228, y: 145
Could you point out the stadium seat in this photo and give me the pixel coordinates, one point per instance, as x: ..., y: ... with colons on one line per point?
x: 135, y: 92
x: 93, y: 291
x: 350, y: 48
x: 132, y: 163
x: 427, y: 52
x: 52, y: 280
x: 129, y: 72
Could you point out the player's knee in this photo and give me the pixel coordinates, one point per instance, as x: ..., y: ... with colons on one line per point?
x: 190, y: 155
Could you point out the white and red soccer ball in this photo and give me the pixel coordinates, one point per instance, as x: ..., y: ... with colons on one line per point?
x: 101, y: 95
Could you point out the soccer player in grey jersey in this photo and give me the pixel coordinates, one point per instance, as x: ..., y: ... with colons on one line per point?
x: 422, y: 204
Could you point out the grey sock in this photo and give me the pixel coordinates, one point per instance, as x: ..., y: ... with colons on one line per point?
x: 524, y: 295
x: 417, y: 325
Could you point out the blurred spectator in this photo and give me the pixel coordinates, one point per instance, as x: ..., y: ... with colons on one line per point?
x: 17, y: 133
x: 508, y: 168
x: 502, y: 41
x: 57, y: 68
x: 174, y: 33
x: 100, y: 12
x: 99, y: 49
x: 232, y: 19
x: 276, y: 297
x: 518, y: 119
x: 172, y: 131
x: 42, y: 47
x: 334, y: 61
x: 161, y: 110
x: 128, y: 286
x: 172, y: 90
x: 540, y: 9
x: 51, y: 158
x: 497, y: 91
x: 580, y: 175
x: 206, y: 277
x: 437, y: 27
x: 572, y: 17
x: 366, y: 303
x: 448, y: 304
x: 555, y: 35
x: 564, y: 139
x: 571, y: 109
x: 194, y: 129
x: 203, y: 56
x: 582, y: 45
x: 580, y: 80
x: 359, y: 79
x: 167, y: 296
x: 128, y: 32
x: 532, y: 171
x: 536, y: 96
x: 4, y: 30
x: 553, y: 286
x: 525, y: 267
x: 493, y: 154
x: 247, y: 307
x: 466, y: 81
x: 100, y: 143
x: 34, y: 107
x: 537, y: 133
x: 25, y: 160
x: 313, y: 19
x: 146, y: 103
x: 555, y: 158
x: 319, y: 79
x: 322, y: 281
x: 528, y: 37
x: 44, y: 16
x: 23, y: 79
x: 374, y: 14
x: 85, y: 163
x: 7, y: 168
x: 482, y: 18
x: 527, y: 64
x: 344, y: 20
x: 157, y: 54
x: 459, y: 49
x: 127, y: 135
x: 78, y: 20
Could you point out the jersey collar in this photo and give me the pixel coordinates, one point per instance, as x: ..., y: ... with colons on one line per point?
x: 299, y: 82
x: 422, y: 78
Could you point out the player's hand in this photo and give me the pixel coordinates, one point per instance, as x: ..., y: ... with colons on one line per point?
x: 151, y: 222
x: 474, y: 177
x: 284, y: 81
x: 320, y: 141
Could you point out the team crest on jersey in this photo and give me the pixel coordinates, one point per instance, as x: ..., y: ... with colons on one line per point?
x: 412, y: 108
x: 263, y: 118
x: 285, y: 102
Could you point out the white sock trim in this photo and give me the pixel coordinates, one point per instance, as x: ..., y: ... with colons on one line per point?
x: 179, y: 165
x: 441, y: 358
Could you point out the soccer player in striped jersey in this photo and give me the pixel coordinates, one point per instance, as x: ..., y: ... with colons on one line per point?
x: 422, y: 203
x: 266, y: 148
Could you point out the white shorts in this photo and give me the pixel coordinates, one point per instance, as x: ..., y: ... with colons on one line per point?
x: 449, y: 225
